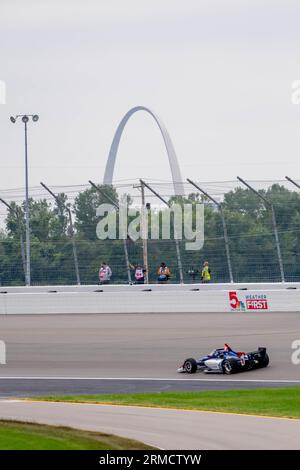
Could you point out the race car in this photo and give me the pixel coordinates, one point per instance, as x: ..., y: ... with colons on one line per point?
x: 226, y: 361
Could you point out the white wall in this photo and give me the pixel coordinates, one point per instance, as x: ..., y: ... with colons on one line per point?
x: 135, y: 300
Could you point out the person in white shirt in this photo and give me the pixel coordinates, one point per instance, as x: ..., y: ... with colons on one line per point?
x: 139, y: 273
x: 105, y: 273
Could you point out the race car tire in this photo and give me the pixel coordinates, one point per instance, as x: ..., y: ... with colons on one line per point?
x: 265, y: 361
x: 230, y: 367
x: 190, y: 365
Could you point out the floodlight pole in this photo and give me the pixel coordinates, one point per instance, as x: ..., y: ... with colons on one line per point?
x: 270, y: 205
x: 16, y: 212
x: 28, y: 264
x: 176, y: 240
x: 114, y: 203
x: 71, y: 230
x: 25, y: 119
x: 226, y: 240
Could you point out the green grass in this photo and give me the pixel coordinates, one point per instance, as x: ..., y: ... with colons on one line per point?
x: 284, y: 402
x: 26, y: 436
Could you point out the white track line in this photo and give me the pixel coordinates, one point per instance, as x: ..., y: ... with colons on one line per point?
x: 154, y: 379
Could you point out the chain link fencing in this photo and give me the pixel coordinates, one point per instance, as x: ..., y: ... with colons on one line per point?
x: 251, y: 239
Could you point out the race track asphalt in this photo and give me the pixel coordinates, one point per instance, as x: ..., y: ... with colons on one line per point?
x: 139, y: 352
x: 163, y: 428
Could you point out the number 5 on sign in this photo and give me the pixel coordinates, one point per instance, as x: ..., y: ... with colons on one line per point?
x: 2, y: 352
x: 234, y: 301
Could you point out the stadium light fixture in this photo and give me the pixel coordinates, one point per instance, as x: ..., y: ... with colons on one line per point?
x: 25, y: 119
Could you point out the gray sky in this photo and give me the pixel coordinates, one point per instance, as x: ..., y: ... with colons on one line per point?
x: 218, y: 73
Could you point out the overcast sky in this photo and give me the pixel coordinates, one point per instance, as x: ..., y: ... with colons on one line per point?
x: 217, y: 72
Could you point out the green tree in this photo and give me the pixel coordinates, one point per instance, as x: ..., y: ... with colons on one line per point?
x: 85, y: 207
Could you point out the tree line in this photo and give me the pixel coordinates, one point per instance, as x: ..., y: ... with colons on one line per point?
x: 251, y: 240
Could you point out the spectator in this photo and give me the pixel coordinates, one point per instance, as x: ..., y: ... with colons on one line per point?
x: 105, y: 273
x: 163, y: 273
x: 139, y: 273
x: 206, y: 273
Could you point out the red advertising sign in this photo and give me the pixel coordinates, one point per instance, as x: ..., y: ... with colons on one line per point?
x: 243, y: 302
x: 257, y: 304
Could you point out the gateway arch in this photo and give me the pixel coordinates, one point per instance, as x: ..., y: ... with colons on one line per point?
x: 173, y: 162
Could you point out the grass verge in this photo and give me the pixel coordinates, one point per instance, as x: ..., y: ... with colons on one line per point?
x: 281, y: 402
x: 15, y: 435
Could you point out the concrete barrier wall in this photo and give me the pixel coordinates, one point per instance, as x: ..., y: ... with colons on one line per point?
x: 154, y: 287
x: 137, y: 300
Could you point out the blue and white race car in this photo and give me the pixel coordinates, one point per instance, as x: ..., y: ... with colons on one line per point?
x: 226, y: 361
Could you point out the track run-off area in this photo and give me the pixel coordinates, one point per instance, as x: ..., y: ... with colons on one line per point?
x: 163, y: 428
